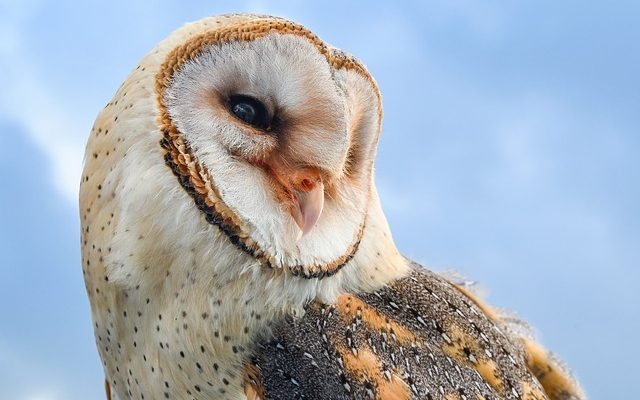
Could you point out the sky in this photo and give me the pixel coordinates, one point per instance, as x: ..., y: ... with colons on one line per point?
x: 510, y: 153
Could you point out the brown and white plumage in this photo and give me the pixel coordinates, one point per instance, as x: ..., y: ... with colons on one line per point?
x: 229, y: 257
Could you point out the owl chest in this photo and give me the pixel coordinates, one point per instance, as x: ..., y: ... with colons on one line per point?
x: 170, y: 350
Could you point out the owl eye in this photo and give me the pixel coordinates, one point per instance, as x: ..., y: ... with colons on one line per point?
x: 250, y: 110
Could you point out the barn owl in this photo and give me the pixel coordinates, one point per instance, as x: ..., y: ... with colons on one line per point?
x: 234, y: 245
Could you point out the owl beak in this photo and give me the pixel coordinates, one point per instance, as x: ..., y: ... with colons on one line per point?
x: 308, y: 203
x: 303, y: 193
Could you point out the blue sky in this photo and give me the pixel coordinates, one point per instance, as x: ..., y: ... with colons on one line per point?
x: 510, y: 152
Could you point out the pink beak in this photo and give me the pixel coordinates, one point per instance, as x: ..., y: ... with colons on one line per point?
x: 303, y: 194
x: 309, y: 200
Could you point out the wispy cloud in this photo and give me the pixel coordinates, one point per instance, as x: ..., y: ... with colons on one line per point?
x: 42, y: 396
x: 26, y: 378
x: 28, y: 101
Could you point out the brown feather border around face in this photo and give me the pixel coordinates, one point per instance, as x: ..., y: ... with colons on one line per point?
x: 195, y: 178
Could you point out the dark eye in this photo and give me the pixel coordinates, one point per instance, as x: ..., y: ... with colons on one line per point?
x: 250, y: 111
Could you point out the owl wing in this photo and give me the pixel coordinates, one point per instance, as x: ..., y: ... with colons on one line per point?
x: 420, y: 337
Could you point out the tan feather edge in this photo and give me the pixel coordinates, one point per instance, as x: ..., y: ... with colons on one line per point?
x: 107, y: 389
x: 558, y: 384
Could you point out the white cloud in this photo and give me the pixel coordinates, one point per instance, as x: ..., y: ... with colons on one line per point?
x: 23, y: 377
x: 27, y: 100
x: 42, y: 396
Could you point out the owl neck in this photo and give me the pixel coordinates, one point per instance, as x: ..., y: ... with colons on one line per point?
x: 205, y: 303
x: 237, y: 304
x: 377, y: 261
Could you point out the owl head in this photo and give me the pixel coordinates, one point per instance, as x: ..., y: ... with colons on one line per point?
x: 269, y: 132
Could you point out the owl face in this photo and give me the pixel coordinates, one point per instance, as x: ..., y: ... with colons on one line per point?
x: 273, y: 133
